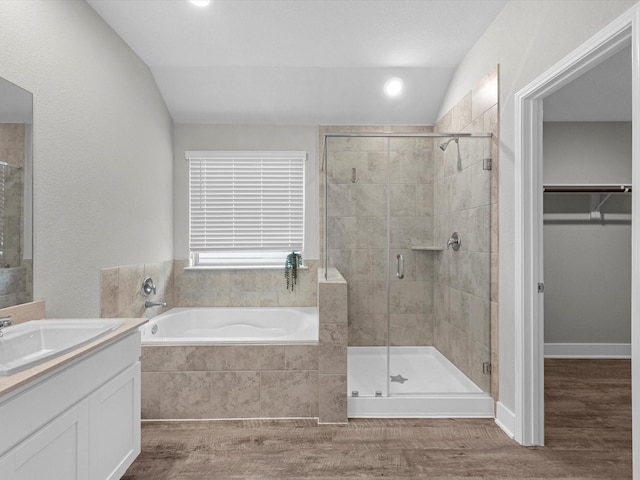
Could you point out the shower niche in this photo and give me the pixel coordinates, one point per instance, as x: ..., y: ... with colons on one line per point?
x: 419, y: 310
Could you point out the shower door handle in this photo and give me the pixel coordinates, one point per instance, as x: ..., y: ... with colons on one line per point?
x: 400, y: 266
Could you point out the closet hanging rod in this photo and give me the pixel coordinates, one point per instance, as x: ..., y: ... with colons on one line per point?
x: 407, y: 135
x: 588, y: 188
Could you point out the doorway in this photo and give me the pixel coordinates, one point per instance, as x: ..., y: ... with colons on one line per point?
x: 529, y: 299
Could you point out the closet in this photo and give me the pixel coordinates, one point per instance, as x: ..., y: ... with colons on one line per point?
x: 587, y: 239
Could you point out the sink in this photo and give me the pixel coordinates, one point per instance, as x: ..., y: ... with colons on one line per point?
x: 27, y: 344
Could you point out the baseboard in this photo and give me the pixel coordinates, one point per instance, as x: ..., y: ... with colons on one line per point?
x: 587, y: 350
x: 506, y: 420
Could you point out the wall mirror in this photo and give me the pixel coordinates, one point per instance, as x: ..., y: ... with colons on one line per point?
x: 16, y: 195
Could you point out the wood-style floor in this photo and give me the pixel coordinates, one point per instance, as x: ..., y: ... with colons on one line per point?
x: 587, y: 422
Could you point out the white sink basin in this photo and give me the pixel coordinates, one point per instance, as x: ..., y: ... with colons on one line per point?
x: 27, y: 344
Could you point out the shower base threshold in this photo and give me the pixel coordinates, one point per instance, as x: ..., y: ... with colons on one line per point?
x: 435, y: 387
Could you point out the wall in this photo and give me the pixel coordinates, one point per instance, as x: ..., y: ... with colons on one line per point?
x: 526, y: 39
x: 244, y: 288
x: 587, y: 152
x: 244, y: 137
x: 262, y: 287
x: 587, y: 265
x: 102, y: 149
x: 121, y: 288
x: 121, y: 293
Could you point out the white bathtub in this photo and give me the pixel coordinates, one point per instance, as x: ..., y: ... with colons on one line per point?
x: 232, y: 325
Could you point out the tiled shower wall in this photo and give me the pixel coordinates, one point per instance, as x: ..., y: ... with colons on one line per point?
x: 15, y: 272
x: 466, y: 200
x: 401, y: 170
x: 450, y: 300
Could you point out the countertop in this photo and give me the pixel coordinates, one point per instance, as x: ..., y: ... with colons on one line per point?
x: 17, y: 380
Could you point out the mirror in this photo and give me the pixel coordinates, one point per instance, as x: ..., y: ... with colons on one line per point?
x: 16, y: 162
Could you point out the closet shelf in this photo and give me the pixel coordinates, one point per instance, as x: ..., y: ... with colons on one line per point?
x: 588, y: 188
x: 431, y: 248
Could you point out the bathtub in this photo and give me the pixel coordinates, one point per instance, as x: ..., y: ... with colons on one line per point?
x: 230, y: 362
x: 232, y: 325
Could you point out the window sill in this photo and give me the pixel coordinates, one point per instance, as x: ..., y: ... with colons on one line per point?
x: 241, y: 267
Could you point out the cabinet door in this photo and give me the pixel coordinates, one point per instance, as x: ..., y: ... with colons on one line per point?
x: 58, y: 451
x: 115, y: 425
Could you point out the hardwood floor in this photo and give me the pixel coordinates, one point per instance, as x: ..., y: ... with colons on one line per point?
x: 587, y: 422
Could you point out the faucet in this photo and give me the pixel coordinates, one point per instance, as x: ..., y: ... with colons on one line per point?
x: 4, y: 322
x: 149, y: 304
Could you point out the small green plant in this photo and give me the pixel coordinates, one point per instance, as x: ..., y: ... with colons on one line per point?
x: 291, y: 265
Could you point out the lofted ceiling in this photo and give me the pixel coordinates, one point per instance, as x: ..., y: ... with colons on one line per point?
x: 300, y: 61
x: 16, y: 105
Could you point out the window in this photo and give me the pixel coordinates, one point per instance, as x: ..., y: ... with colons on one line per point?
x: 246, y: 209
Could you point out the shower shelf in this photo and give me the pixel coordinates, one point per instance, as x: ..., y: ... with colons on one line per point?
x: 432, y: 248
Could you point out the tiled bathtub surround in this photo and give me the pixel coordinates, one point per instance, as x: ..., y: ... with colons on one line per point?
x: 230, y: 381
x: 16, y: 284
x: 465, y: 195
x: 244, y: 288
x: 249, y: 381
x: 121, y: 293
x: 121, y: 289
x: 332, y: 349
x: 235, y: 381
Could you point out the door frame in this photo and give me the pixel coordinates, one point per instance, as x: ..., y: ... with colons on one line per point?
x: 529, y: 304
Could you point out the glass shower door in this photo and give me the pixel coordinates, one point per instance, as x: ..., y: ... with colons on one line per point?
x: 439, y: 327
x: 419, y: 311
x: 358, y: 246
x: 410, y: 278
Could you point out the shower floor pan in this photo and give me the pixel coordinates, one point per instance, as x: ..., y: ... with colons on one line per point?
x: 434, y: 386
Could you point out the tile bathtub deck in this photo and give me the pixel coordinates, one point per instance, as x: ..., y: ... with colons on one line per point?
x: 588, y: 435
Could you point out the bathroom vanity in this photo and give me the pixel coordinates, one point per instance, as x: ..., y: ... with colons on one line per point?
x: 75, y: 416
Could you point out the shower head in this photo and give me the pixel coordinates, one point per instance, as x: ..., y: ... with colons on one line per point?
x: 443, y: 146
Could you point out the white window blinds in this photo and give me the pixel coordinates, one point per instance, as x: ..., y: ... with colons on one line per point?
x: 245, y: 208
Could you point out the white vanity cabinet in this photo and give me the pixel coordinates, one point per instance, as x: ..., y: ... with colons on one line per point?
x: 80, y: 421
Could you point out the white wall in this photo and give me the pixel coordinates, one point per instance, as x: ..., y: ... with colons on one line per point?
x: 526, y: 39
x: 587, y: 265
x: 102, y: 149
x: 587, y: 152
x: 245, y: 137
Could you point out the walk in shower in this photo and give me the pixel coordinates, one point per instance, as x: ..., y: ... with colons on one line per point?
x: 407, y: 224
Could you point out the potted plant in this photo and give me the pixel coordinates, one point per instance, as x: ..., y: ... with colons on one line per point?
x: 291, y: 264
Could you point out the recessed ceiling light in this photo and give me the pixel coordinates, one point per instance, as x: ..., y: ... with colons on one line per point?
x: 393, y: 86
x: 201, y: 3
